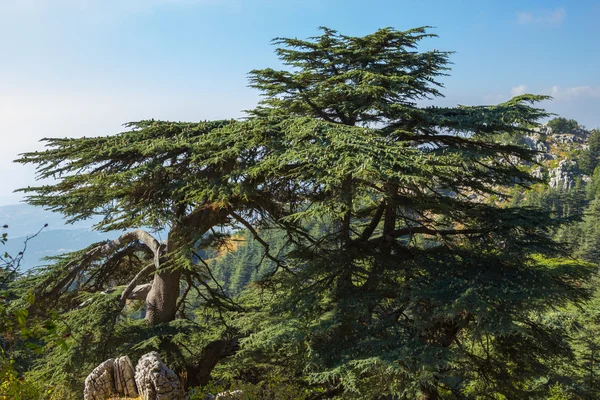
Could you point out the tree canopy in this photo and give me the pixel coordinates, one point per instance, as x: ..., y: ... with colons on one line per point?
x: 392, y: 271
x: 563, y: 125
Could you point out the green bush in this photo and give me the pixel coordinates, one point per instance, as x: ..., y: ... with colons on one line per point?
x: 563, y: 125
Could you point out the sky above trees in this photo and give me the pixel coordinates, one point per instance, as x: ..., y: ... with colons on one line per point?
x: 84, y: 67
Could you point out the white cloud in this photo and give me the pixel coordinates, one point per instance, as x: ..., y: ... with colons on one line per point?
x: 556, y: 16
x: 558, y: 93
x: 575, y: 92
x: 502, y: 97
x: 518, y: 90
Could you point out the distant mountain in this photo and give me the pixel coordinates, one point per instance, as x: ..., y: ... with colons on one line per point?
x: 52, y: 243
x: 24, y: 221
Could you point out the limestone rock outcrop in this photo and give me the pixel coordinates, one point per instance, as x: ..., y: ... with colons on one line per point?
x: 561, y: 177
x: 536, y: 143
x: 125, y: 377
x: 538, y: 173
x: 155, y: 381
x: 151, y: 380
x: 543, y: 130
x: 99, y: 385
x: 232, y: 395
x: 112, y: 377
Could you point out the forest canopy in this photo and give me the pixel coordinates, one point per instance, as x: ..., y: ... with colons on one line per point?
x: 342, y: 241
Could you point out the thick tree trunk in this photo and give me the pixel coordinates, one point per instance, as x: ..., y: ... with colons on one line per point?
x: 161, y: 302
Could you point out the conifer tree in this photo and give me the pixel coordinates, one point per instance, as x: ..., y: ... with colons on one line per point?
x: 413, y: 289
x: 397, y: 277
x: 157, y: 178
x: 590, y: 159
x: 590, y: 232
x: 133, y: 180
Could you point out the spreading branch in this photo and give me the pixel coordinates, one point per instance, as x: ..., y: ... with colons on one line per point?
x: 79, y: 265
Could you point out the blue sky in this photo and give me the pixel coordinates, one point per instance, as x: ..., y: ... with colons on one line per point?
x: 84, y: 67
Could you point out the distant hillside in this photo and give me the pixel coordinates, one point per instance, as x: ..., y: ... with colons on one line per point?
x: 52, y: 243
x: 24, y: 220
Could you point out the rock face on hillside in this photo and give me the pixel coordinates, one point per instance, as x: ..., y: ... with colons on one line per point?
x: 536, y: 143
x: 155, y: 381
x: 560, y: 146
x: 538, y: 173
x: 562, y: 176
x: 112, y: 377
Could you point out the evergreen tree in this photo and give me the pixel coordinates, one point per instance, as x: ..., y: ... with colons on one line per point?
x: 563, y: 125
x: 413, y: 289
x: 146, y: 181
x: 590, y: 159
x: 384, y: 276
x: 593, y: 186
x: 133, y: 180
x: 589, y: 246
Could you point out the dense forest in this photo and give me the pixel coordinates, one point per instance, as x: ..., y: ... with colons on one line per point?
x: 340, y: 242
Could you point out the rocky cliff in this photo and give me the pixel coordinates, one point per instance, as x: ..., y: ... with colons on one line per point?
x: 558, y: 155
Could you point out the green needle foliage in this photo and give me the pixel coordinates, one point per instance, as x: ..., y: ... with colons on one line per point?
x: 411, y: 288
x: 133, y: 179
x: 390, y: 270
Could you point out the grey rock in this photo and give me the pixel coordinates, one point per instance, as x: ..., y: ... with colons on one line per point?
x: 99, y: 384
x: 155, y: 381
x: 564, y: 138
x: 125, y: 377
x: 230, y: 395
x: 561, y: 177
x: 529, y: 141
x: 535, y: 143
x: 543, y: 152
x: 543, y: 130
x: 112, y: 377
x: 538, y: 173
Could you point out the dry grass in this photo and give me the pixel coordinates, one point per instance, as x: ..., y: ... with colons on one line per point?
x: 125, y: 398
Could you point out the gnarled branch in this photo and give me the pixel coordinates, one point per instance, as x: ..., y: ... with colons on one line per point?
x: 136, y: 279
x: 102, y: 251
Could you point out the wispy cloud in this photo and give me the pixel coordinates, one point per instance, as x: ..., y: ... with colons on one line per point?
x: 550, y: 17
x: 558, y: 93
x: 575, y: 92
x: 505, y: 96
x: 518, y: 90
